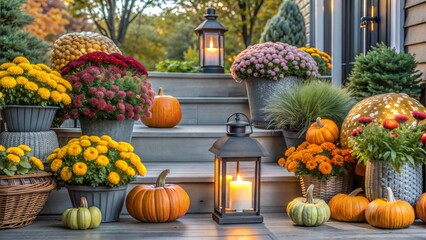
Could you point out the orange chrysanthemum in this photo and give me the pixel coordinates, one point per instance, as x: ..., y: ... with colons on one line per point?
x: 325, y: 168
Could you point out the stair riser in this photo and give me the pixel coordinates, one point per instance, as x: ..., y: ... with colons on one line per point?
x: 274, y: 197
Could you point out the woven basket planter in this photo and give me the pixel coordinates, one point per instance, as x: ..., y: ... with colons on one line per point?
x: 22, y: 197
x: 326, y: 189
x: 407, y: 185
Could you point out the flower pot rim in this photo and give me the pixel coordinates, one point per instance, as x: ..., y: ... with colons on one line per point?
x: 31, y: 106
x: 270, y: 79
x: 91, y: 188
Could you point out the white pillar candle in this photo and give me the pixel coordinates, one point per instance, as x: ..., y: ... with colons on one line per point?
x: 212, y: 56
x: 241, y: 194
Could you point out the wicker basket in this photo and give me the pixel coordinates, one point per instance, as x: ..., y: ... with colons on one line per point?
x: 22, y: 197
x: 326, y: 189
x: 407, y: 185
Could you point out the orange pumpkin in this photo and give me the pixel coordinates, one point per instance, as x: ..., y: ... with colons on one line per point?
x: 158, y: 203
x: 348, y: 208
x: 322, y: 130
x: 421, y: 207
x: 166, y: 112
x: 389, y: 213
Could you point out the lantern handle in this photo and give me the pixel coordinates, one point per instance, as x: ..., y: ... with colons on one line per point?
x: 237, y: 118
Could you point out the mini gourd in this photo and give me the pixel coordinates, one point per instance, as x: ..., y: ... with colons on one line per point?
x: 322, y: 130
x: 157, y: 203
x: 308, y: 211
x: 348, y: 207
x: 82, y: 217
x: 389, y: 213
x: 166, y: 112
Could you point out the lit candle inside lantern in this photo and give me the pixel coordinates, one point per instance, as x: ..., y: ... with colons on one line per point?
x: 212, y: 54
x: 241, y: 194
x: 228, y: 181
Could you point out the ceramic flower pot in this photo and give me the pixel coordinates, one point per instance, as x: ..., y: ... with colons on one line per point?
x: 259, y: 91
x: 292, y: 139
x: 120, y: 131
x: 22, y: 118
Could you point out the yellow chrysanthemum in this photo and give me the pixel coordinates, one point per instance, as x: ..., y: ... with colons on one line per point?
x: 13, y: 158
x: 26, y: 66
x: 56, y: 73
x: 95, y: 139
x: 134, y: 158
x: 43, y: 77
x: 44, y: 67
x: 113, y: 144
x: 36, y: 67
x: 130, y: 171
x: 44, y: 93
x: 85, y: 137
x: 66, y: 84
x: 101, y: 149
x: 106, y: 138
x: 114, y: 178
x: 56, y: 150
x: 122, y: 147
x: 79, y: 168
x: 66, y: 174
x: 56, y: 96
x: 51, y: 157
x: 52, y: 83
x: 85, y: 143
x: 66, y: 99
x: 129, y: 146
x: 74, y: 140
x: 122, y: 165
x: 21, y: 80
x: 31, y: 86
x: 20, y: 59
x: 15, y: 70
x: 33, y: 73
x: 102, y: 160
x: 37, y: 162
x: 5, y: 66
x: 103, y: 143
x: 125, y: 155
x: 74, y: 149
x: 8, y: 82
x: 3, y: 74
x: 90, y: 154
x: 61, y: 88
x: 2, y: 148
x: 62, y: 152
x: 56, y: 165
x: 16, y: 150
x: 141, y: 169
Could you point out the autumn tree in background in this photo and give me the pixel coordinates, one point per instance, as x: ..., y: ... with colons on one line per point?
x: 50, y: 18
x: 112, y: 18
x: 13, y: 40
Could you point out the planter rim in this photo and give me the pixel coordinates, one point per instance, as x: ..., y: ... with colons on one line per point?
x: 95, y: 189
x: 17, y: 176
x: 106, y: 120
x: 30, y: 106
x: 270, y: 79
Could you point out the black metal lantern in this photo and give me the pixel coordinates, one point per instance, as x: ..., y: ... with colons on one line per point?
x: 211, y: 43
x: 237, y: 174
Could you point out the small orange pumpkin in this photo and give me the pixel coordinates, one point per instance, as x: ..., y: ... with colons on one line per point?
x: 389, y: 213
x: 322, y: 130
x: 348, y: 208
x: 421, y: 207
x: 158, y: 203
x: 166, y: 112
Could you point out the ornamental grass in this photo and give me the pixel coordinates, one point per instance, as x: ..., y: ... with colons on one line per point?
x: 24, y: 83
x: 18, y: 160
x: 322, y: 161
x: 95, y: 161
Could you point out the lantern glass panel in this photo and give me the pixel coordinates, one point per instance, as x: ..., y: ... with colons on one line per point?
x: 211, y: 49
x: 201, y: 40
x: 221, y: 50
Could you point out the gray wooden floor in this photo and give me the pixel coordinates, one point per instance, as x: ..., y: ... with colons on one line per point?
x: 201, y: 226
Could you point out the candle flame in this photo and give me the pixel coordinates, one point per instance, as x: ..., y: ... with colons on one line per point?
x: 238, y: 178
x: 211, y: 42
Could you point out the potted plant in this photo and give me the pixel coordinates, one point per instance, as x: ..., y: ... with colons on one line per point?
x: 326, y: 166
x: 270, y: 68
x: 322, y: 59
x: 32, y: 93
x: 100, y: 166
x: 294, y: 111
x: 393, y: 152
x: 110, y: 92
x: 23, y: 189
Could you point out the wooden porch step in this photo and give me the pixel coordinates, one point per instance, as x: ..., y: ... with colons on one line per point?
x: 278, y: 187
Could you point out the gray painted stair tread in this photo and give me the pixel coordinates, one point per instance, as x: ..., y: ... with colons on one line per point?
x: 212, y: 99
x: 203, y: 172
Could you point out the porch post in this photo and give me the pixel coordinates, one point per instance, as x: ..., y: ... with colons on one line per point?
x: 336, y: 44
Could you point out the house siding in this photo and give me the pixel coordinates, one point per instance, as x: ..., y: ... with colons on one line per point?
x: 415, y: 32
x: 304, y: 6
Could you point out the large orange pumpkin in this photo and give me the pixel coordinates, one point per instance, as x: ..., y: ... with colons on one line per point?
x: 379, y: 107
x: 322, y: 130
x: 166, y: 112
x: 389, y: 213
x: 158, y: 203
x: 348, y: 208
x: 421, y: 207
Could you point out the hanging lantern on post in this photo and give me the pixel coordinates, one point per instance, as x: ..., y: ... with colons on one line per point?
x: 211, y: 43
x: 237, y: 174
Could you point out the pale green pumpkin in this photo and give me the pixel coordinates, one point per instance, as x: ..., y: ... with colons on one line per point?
x: 308, y: 211
x: 82, y: 217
